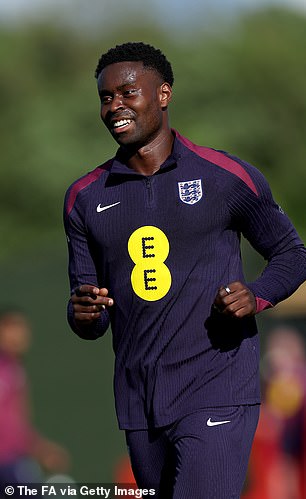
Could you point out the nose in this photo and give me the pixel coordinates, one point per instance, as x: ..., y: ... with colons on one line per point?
x: 117, y: 102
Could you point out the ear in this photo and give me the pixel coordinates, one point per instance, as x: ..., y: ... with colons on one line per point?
x: 165, y: 94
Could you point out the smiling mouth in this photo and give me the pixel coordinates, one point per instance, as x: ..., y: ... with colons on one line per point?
x: 121, y: 124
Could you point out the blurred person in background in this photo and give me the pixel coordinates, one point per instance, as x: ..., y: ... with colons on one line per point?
x: 24, y: 453
x: 285, y: 397
x: 154, y: 251
x: 278, y: 458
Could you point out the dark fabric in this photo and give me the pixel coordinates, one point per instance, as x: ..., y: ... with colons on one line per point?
x: 190, y: 459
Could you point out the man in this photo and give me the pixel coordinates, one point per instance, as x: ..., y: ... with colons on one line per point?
x: 153, y: 238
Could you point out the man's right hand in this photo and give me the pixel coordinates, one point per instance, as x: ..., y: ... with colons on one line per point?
x: 88, y: 302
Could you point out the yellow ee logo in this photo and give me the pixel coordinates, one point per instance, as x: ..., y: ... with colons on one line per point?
x: 149, y: 247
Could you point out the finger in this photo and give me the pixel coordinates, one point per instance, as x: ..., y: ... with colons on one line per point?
x: 86, y: 317
x: 104, y: 292
x: 87, y: 304
x: 224, y: 299
x: 84, y: 299
x: 87, y: 290
x: 234, y: 307
x: 235, y: 286
x: 235, y: 296
x: 243, y: 312
x: 244, y: 305
x: 100, y: 307
x: 89, y: 308
x: 231, y: 288
x: 224, y: 291
x: 238, y: 313
x: 106, y: 302
x: 84, y: 296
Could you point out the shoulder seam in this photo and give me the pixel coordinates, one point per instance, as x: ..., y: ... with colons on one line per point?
x: 84, y: 182
x: 220, y: 159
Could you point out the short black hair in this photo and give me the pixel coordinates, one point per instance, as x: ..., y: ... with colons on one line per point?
x: 138, y: 51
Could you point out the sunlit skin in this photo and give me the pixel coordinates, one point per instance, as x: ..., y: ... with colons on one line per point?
x: 134, y: 107
x: 239, y: 303
x: 127, y: 90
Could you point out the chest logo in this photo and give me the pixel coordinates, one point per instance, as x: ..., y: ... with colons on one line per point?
x: 190, y: 191
x: 103, y: 208
x: 149, y: 247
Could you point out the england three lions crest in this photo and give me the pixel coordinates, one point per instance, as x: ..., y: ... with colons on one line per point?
x: 190, y: 191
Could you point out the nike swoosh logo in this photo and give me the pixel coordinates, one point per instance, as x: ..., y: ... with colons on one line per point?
x: 103, y: 208
x: 215, y: 423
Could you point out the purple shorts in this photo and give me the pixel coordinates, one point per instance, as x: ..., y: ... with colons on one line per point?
x: 203, y: 455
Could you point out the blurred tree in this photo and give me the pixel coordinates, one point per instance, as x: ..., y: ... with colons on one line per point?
x: 43, y: 119
x: 248, y: 97
x: 240, y: 88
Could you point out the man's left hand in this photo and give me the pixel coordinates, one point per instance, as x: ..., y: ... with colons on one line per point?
x: 236, y: 300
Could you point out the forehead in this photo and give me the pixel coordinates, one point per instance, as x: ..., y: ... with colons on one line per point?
x: 125, y: 73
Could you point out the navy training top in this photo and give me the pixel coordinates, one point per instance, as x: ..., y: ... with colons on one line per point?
x: 163, y: 245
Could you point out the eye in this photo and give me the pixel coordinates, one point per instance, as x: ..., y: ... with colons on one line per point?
x: 106, y: 99
x: 130, y: 92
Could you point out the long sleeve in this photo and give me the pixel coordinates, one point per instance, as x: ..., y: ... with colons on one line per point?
x: 81, y: 266
x: 271, y: 233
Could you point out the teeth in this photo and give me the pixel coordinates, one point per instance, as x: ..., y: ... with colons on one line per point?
x: 121, y: 123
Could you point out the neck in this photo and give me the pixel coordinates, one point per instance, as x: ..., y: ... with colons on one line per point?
x: 148, y: 159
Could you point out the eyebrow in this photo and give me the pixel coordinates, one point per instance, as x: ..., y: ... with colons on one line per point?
x: 104, y: 91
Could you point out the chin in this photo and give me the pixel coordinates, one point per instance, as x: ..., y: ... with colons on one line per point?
x: 119, y: 137
x: 125, y: 141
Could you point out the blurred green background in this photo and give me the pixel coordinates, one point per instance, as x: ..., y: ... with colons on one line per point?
x: 240, y: 86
